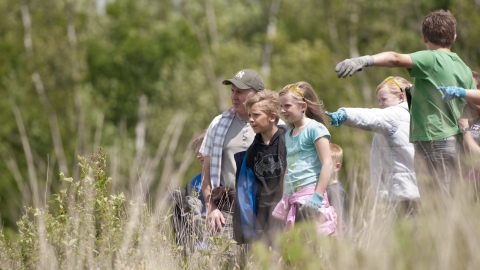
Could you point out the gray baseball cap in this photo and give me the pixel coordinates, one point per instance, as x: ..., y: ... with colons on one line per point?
x: 246, y: 79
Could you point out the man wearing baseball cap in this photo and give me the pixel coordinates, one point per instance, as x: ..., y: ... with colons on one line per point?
x: 246, y: 79
x: 227, y: 134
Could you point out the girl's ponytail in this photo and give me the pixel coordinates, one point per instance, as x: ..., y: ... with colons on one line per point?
x: 303, y: 92
x: 314, y: 104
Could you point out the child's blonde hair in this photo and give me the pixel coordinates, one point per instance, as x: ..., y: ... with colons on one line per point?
x: 268, y: 102
x: 197, y: 140
x: 337, y: 153
x: 395, y: 84
x: 303, y: 92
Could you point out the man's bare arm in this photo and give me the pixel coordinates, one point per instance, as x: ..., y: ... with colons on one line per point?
x: 206, y: 183
x: 215, y: 218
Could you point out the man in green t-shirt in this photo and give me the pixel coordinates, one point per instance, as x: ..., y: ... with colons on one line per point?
x: 434, y: 123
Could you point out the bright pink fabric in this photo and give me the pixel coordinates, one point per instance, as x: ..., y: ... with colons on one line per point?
x: 286, y: 210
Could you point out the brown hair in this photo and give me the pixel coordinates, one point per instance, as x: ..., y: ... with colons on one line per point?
x: 396, y: 87
x: 197, y: 140
x: 337, y: 153
x: 438, y: 27
x: 268, y: 102
x: 314, y: 104
x: 476, y: 77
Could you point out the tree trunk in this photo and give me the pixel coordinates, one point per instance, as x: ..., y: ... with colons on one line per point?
x: 208, y: 56
x: 271, y: 33
x: 72, y: 40
x: 52, y: 117
x: 353, y: 41
x: 32, y: 175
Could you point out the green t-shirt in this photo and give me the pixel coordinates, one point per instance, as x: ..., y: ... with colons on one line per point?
x: 430, y: 117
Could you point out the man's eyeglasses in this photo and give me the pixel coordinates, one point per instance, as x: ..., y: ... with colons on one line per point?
x: 293, y: 88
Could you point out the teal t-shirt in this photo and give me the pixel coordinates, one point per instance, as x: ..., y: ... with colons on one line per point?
x: 430, y: 117
x: 302, y: 159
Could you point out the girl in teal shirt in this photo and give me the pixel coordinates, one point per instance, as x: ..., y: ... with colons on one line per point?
x: 309, y: 161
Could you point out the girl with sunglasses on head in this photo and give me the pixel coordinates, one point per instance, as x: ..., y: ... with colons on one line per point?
x: 392, y: 173
x: 309, y: 163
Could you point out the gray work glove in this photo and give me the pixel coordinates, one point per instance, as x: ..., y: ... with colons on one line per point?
x: 350, y: 66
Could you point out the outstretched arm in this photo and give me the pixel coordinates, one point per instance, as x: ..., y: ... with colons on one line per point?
x: 383, y: 121
x: 392, y: 59
x: 451, y: 92
x: 384, y: 59
x: 472, y: 95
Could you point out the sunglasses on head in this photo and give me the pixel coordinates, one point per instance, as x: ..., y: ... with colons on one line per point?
x: 293, y: 88
x: 392, y: 80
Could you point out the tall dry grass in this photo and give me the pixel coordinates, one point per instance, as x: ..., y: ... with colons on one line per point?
x: 106, y: 219
x: 86, y: 226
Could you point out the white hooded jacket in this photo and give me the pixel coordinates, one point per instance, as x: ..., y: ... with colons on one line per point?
x: 392, y: 173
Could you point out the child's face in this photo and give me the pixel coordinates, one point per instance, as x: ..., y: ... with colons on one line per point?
x: 290, y: 109
x: 200, y: 157
x: 336, y: 167
x: 387, y: 99
x: 259, y: 120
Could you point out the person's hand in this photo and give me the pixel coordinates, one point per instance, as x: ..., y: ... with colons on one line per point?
x: 314, y: 203
x: 350, y: 66
x: 451, y: 92
x: 215, y: 220
x: 338, y: 117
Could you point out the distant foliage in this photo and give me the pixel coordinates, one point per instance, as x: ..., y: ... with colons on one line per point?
x: 97, y: 63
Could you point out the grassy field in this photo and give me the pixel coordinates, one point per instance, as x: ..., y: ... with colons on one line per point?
x: 85, y: 227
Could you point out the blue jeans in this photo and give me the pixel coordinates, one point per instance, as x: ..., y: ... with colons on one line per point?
x: 437, y: 163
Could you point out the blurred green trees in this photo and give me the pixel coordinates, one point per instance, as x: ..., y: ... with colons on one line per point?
x: 140, y: 77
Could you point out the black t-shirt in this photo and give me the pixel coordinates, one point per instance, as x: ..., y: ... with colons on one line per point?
x: 269, y: 164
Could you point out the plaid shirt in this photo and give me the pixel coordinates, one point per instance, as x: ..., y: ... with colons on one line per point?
x: 212, y: 145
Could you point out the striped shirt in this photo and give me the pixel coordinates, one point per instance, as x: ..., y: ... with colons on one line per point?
x: 212, y: 145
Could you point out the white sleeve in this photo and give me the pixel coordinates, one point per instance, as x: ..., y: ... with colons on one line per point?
x: 384, y: 121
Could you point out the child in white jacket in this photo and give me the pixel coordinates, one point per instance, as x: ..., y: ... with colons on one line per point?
x: 392, y: 172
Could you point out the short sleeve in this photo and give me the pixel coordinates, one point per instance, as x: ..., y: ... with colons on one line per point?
x: 207, y: 144
x: 423, y: 62
x: 317, y: 131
